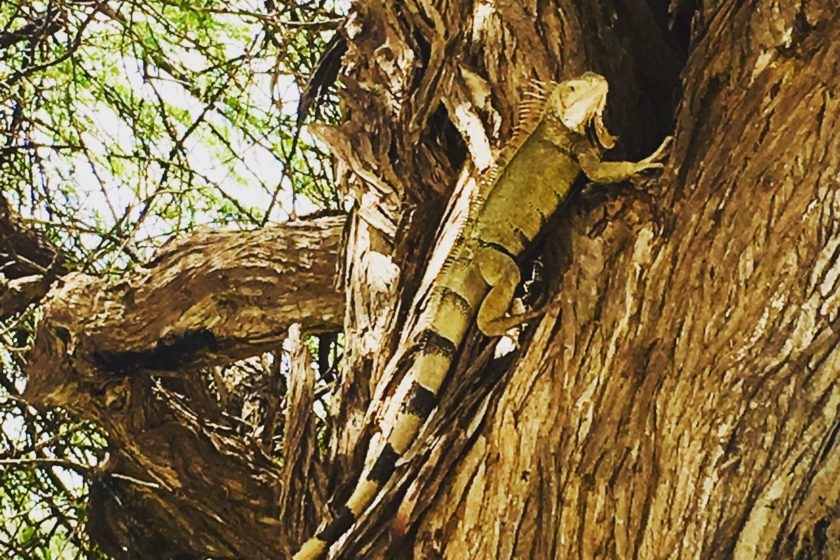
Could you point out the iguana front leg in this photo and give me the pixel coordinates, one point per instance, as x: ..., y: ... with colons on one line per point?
x: 589, y: 159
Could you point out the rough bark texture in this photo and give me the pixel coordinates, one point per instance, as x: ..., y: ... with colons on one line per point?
x: 680, y: 402
x: 683, y: 402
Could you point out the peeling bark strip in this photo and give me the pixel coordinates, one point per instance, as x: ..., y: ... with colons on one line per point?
x: 210, y: 299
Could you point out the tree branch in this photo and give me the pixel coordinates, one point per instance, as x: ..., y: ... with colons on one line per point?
x: 29, y: 262
x: 210, y: 299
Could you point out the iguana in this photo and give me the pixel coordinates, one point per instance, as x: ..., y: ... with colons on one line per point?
x: 561, y: 134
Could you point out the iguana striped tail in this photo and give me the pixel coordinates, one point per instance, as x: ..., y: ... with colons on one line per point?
x: 429, y: 371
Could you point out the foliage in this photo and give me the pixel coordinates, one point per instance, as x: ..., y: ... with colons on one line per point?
x: 124, y: 123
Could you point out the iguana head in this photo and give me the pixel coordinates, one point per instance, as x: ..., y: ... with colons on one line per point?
x: 579, y: 103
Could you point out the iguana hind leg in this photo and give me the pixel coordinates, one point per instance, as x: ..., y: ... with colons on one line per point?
x: 501, y: 273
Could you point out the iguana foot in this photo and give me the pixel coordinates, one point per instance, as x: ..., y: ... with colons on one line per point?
x: 502, y: 325
x: 653, y: 161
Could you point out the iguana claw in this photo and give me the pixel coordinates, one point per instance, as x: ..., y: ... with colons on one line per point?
x: 660, y: 152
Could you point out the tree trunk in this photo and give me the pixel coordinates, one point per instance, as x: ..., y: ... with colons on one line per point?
x: 680, y: 397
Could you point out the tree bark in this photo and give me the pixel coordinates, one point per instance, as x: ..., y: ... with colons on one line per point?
x: 683, y: 401
x: 681, y: 398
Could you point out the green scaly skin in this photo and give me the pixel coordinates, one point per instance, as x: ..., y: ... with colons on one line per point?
x: 479, y: 280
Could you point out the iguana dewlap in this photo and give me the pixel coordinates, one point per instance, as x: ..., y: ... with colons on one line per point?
x: 561, y: 135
